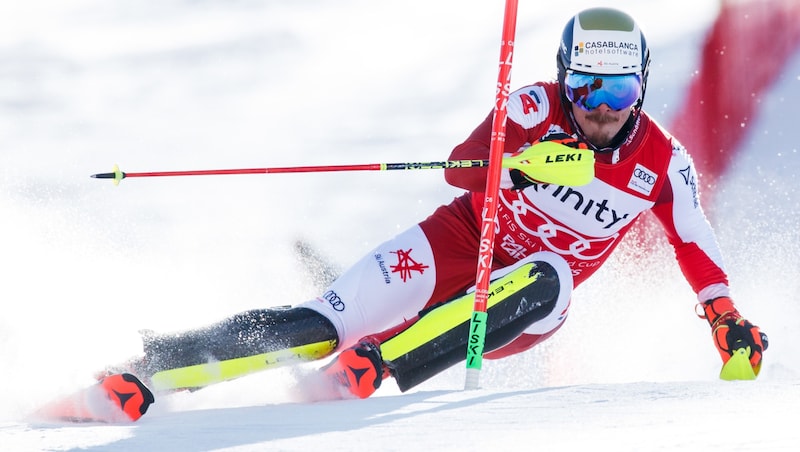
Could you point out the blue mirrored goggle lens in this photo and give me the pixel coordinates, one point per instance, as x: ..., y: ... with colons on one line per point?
x: 589, y: 91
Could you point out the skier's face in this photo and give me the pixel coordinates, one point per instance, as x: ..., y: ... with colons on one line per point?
x: 600, y: 125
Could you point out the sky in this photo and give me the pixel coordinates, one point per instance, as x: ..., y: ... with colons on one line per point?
x: 204, y: 84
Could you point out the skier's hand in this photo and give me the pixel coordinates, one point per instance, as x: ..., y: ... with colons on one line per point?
x: 731, y: 331
x: 518, y: 178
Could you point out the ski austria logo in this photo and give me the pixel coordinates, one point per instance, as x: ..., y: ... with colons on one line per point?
x: 387, y: 278
x: 642, y: 180
x: 405, y: 264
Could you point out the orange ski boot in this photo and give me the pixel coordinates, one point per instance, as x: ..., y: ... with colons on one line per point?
x: 358, y: 370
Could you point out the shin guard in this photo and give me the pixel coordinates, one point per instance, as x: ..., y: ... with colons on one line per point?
x: 245, y: 343
x: 439, y: 338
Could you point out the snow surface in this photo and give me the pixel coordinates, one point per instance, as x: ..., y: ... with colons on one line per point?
x: 193, y: 84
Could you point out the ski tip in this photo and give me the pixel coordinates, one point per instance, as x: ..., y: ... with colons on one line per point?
x: 115, y: 398
x: 738, y: 366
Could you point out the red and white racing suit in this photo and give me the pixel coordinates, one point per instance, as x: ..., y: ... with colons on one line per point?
x: 578, y: 226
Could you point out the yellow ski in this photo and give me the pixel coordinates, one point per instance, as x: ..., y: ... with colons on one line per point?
x: 201, y: 375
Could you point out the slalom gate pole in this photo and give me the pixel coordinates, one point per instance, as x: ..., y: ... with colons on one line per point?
x: 477, y: 327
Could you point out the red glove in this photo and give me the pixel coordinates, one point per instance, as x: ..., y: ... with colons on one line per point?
x: 731, y: 331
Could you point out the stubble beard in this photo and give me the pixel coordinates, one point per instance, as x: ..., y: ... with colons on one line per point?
x: 601, y: 137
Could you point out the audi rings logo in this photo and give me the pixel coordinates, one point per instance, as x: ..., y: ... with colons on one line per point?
x: 644, y: 176
x: 333, y: 299
x: 642, y: 180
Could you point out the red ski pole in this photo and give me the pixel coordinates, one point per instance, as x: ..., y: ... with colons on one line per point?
x: 548, y: 162
x: 118, y: 175
x: 477, y: 327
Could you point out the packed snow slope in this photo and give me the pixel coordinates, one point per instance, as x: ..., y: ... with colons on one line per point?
x: 187, y: 84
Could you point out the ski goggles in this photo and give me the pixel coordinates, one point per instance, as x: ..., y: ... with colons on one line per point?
x: 589, y: 91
